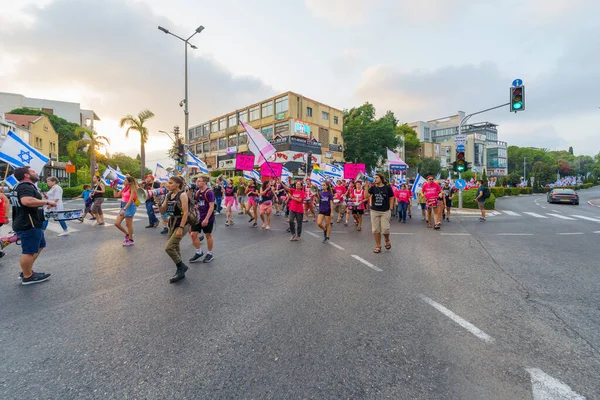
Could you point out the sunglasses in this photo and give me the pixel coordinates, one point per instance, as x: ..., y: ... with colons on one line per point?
x: 430, y: 179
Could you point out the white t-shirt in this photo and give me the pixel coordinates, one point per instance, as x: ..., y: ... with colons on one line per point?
x: 56, y: 193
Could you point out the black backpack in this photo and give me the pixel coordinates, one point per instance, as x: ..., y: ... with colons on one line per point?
x: 486, y: 193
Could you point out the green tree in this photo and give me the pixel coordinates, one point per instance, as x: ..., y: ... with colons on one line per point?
x: 571, y: 149
x: 429, y: 166
x: 411, y: 144
x: 90, y: 139
x: 366, y: 138
x: 484, y: 178
x: 137, y: 124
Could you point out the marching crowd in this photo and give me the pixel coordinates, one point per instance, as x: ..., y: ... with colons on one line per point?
x: 191, y: 208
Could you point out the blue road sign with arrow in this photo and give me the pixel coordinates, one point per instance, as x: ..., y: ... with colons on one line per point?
x: 460, y: 148
x: 460, y: 183
x: 517, y: 82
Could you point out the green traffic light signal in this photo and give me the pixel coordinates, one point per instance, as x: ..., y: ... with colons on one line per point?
x: 517, y: 98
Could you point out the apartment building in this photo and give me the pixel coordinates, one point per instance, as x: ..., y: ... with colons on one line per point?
x: 294, y: 124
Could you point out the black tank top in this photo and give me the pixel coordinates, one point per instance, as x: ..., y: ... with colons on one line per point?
x: 174, y: 205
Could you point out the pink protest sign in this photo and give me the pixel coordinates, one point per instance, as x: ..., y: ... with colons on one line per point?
x: 352, y: 170
x: 244, y: 162
x: 271, y: 169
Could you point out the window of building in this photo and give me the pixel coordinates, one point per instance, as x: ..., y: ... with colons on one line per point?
x: 335, y: 140
x: 222, y: 124
x: 243, y: 116
x: 324, y: 115
x: 205, y: 147
x: 205, y: 130
x: 38, y: 142
x: 308, y: 112
x: 198, y: 132
x: 243, y: 138
x: 267, y: 132
x: 213, y: 145
x: 198, y: 148
x: 323, y: 136
x: 267, y: 109
x: 254, y: 113
x: 427, y: 133
x: 214, y: 126
x: 232, y: 121
x: 336, y: 120
x: 233, y: 140
x: 222, y: 143
x: 281, y: 104
x: 282, y: 129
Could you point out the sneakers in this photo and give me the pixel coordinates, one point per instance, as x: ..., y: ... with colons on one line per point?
x: 64, y: 233
x: 267, y: 228
x: 254, y: 225
x: 196, y: 257
x: 293, y: 238
x: 227, y: 223
x: 447, y: 219
x: 36, y: 277
x: 128, y: 242
x: 150, y: 226
x: 481, y: 219
x: 326, y: 240
x: 209, y: 257
x: 80, y: 219
x: 164, y: 231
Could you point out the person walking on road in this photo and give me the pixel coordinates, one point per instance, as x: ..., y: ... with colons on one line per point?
x: 205, y: 202
x: 296, y: 206
x: 128, y: 209
x: 175, y: 205
x: 403, y: 197
x: 28, y: 220
x: 381, y: 200
x: 150, y: 184
x: 230, y: 200
x: 326, y: 208
x: 266, y: 205
x: 252, y: 193
x: 98, y: 191
x: 448, y: 195
x: 433, y: 196
x: 481, y: 198
x: 55, y: 194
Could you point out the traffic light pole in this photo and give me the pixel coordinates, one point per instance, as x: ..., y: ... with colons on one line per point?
x: 460, y: 125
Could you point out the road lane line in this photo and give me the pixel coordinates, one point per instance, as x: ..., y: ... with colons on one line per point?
x: 337, y: 246
x: 543, y: 207
x: 562, y: 217
x: 455, y: 234
x: 514, y: 214
x: 571, y: 233
x: 534, y: 214
x: 401, y: 233
x: 368, y: 264
x: 556, y: 211
x: 596, y: 232
x: 514, y: 234
x: 586, y: 218
x: 545, y: 387
x: 459, y: 320
x: 313, y: 234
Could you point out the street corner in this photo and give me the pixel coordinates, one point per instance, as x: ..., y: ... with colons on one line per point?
x: 594, y: 203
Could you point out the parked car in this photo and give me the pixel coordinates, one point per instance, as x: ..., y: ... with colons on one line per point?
x: 563, y: 196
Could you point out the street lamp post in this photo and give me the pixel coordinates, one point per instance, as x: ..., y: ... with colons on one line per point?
x: 185, y: 101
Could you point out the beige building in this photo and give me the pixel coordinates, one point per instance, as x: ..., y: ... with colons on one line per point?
x: 294, y: 124
x: 42, y: 135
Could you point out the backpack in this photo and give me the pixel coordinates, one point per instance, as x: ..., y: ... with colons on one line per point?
x: 486, y: 193
x: 193, y: 213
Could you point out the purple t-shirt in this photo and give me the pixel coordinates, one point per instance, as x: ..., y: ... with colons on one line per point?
x: 203, y: 200
x: 325, y: 203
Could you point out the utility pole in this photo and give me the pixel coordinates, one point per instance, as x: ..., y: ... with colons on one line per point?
x: 525, y: 170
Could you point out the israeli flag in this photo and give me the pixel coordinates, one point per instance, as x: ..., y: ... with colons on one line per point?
x: 286, y: 174
x: 17, y: 153
x: 317, y: 178
x: 417, y: 186
x: 475, y: 169
x: 332, y: 171
x: 252, y: 175
x: 195, y: 162
x: 11, y: 181
x: 119, y: 181
x: 161, y: 173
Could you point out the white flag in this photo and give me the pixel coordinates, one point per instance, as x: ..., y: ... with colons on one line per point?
x: 258, y: 145
x: 161, y: 173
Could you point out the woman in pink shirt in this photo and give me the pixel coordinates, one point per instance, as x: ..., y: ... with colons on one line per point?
x: 296, y: 198
x: 357, y: 195
x: 403, y: 197
x: 128, y: 209
x: 433, y: 194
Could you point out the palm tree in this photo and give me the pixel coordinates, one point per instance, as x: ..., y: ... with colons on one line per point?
x: 90, y: 139
x: 137, y: 124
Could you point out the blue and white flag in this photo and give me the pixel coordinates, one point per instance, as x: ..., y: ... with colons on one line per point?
x: 438, y: 176
x: 252, y: 175
x: 120, y: 178
x: 161, y: 173
x: 417, y: 186
x: 118, y: 169
x: 17, y: 153
x: 475, y: 169
x: 332, y: 171
x: 317, y: 178
x: 286, y: 175
x: 195, y: 162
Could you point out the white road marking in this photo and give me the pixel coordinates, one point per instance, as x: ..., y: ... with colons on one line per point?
x: 55, y: 227
x: 514, y: 234
x: 455, y: 234
x: 459, y: 320
x: 368, y: 264
x: 562, y: 217
x: 337, y: 246
x: 586, y: 218
x: 545, y: 387
x: 313, y: 234
x: 514, y: 214
x: 535, y: 215
x: 401, y: 233
x: 555, y: 211
x: 571, y: 233
x: 596, y: 232
x: 543, y: 207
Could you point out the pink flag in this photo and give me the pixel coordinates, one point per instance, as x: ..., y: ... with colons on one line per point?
x: 258, y: 144
x: 393, y: 158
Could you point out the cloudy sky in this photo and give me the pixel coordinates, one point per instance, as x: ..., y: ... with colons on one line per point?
x: 421, y: 59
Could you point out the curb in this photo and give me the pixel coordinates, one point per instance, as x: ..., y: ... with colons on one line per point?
x: 592, y: 204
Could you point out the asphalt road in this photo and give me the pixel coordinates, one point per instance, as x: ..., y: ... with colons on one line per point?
x: 503, y: 309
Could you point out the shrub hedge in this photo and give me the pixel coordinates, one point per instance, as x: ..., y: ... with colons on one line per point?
x: 72, y: 192
x: 469, y: 196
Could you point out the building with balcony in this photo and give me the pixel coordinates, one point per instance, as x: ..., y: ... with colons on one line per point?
x: 294, y: 124
x: 483, y: 149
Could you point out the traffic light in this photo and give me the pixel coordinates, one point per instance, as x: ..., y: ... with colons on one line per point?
x: 517, y: 98
x: 309, y: 162
x: 468, y: 166
x: 180, y: 152
x: 460, y: 165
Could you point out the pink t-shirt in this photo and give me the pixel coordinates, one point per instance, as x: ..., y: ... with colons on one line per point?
x: 295, y: 205
x: 126, y: 194
x: 339, y: 191
x: 358, y: 196
x: 403, y: 196
x: 431, y: 190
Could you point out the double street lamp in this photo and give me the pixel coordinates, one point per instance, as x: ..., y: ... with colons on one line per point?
x: 187, y: 43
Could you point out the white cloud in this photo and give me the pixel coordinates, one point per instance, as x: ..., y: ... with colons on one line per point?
x: 341, y: 12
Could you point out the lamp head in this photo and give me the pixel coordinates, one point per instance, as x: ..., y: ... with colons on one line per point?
x: 199, y: 29
x: 160, y: 28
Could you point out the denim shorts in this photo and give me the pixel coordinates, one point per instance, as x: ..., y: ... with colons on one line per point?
x: 129, y: 211
x: 32, y: 240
